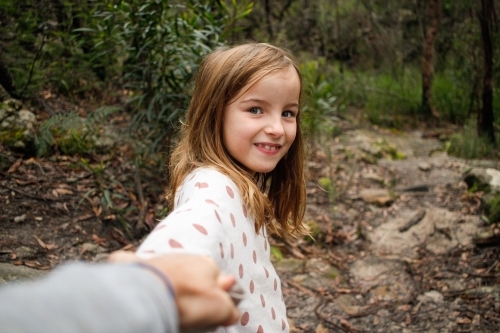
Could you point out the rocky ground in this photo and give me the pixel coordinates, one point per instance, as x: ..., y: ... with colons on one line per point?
x: 395, y: 231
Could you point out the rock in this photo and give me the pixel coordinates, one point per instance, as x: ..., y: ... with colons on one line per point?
x: 348, y: 304
x: 424, y: 166
x: 17, y: 125
x: 10, y: 273
x: 439, y: 231
x: 92, y: 248
x: 483, y: 179
x: 25, y: 252
x: 20, y: 218
x: 287, y: 265
x: 383, y: 279
x: 377, y: 196
x: 431, y: 296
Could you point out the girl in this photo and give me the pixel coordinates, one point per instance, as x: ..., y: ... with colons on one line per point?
x: 237, y: 175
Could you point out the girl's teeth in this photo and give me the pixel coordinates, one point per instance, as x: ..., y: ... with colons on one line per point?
x: 267, y: 147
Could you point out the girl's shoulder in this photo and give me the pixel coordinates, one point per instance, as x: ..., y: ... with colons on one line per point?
x: 209, y: 180
x: 207, y: 173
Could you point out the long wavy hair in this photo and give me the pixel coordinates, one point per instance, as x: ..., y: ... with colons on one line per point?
x: 277, y: 198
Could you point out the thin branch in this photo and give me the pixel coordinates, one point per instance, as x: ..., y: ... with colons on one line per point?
x: 33, y: 65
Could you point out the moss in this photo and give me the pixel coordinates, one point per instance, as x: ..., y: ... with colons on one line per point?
x: 493, y: 208
x: 276, y: 253
x: 313, y: 231
x: 326, y: 184
x: 390, y: 151
x: 475, y: 184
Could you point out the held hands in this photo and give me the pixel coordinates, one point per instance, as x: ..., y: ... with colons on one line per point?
x: 201, y: 292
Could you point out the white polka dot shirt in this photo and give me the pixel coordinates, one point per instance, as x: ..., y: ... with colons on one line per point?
x: 210, y: 218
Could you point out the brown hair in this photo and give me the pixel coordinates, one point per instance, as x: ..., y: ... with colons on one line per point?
x: 276, y: 199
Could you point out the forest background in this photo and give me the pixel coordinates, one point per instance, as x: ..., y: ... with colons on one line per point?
x: 397, y: 64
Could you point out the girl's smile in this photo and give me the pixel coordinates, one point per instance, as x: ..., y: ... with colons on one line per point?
x: 260, y: 124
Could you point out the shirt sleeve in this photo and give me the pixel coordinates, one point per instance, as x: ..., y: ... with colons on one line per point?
x: 87, y: 298
x: 198, y: 225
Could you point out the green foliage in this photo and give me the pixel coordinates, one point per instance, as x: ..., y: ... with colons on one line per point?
x: 321, y: 99
x: 160, y: 44
x: 468, y: 144
x: 70, y: 133
x: 493, y: 209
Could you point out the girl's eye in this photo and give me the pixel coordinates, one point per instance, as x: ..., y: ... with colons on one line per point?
x: 288, y: 114
x: 255, y: 110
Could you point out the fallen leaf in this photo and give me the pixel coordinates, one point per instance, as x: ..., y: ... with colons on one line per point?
x: 63, y: 191
x: 24, y: 182
x: 464, y: 320
x: 97, y: 210
x: 44, y: 245
x: 85, y: 217
x: 321, y: 329
x: 99, y: 240
x: 14, y: 166
x: 150, y: 220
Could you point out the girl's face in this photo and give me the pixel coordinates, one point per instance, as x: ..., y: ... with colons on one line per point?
x: 260, y: 124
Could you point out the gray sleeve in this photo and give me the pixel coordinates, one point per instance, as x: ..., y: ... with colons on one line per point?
x: 89, y: 298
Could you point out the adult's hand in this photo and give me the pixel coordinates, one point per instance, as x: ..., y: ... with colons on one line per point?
x: 201, y: 291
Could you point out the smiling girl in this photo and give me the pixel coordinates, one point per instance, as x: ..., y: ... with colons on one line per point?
x: 237, y: 175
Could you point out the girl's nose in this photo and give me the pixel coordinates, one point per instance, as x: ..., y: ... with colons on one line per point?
x: 275, y: 127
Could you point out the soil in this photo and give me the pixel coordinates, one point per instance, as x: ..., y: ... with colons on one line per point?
x: 64, y: 208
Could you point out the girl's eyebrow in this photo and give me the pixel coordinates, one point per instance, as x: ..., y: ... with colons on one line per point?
x: 256, y: 100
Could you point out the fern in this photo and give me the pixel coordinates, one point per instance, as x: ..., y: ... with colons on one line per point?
x: 69, y: 122
x: 45, y: 139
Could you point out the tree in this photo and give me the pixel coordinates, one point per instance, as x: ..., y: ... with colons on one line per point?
x: 485, y: 116
x: 428, y: 57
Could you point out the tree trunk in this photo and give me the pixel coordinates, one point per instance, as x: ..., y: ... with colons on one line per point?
x: 428, y: 57
x: 485, y: 117
x: 267, y: 7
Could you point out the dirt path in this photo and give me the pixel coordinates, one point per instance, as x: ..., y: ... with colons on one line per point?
x: 393, y: 224
x: 395, y: 250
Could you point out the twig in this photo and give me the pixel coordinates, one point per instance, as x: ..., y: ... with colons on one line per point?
x: 144, y: 205
x: 318, y: 313
x: 33, y: 66
x: 31, y: 195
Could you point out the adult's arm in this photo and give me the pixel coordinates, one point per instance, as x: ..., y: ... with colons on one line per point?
x: 90, y: 298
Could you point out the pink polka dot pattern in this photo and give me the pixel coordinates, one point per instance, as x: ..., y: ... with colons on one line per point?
x: 218, y: 217
x: 260, y: 329
x: 283, y: 324
x: 232, y: 251
x: 201, y: 185
x: 263, y: 301
x: 244, y: 319
x: 200, y: 229
x: 275, y: 284
x: 251, y: 287
x: 254, y: 257
x: 266, y: 271
x: 174, y: 244
x: 245, y: 211
x: 244, y: 239
x: 233, y: 221
x: 230, y: 192
x: 240, y: 269
x: 273, y: 313
x: 221, y: 250
x: 210, y: 201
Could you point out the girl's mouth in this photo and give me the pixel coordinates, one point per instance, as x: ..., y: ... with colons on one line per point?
x: 268, y: 147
